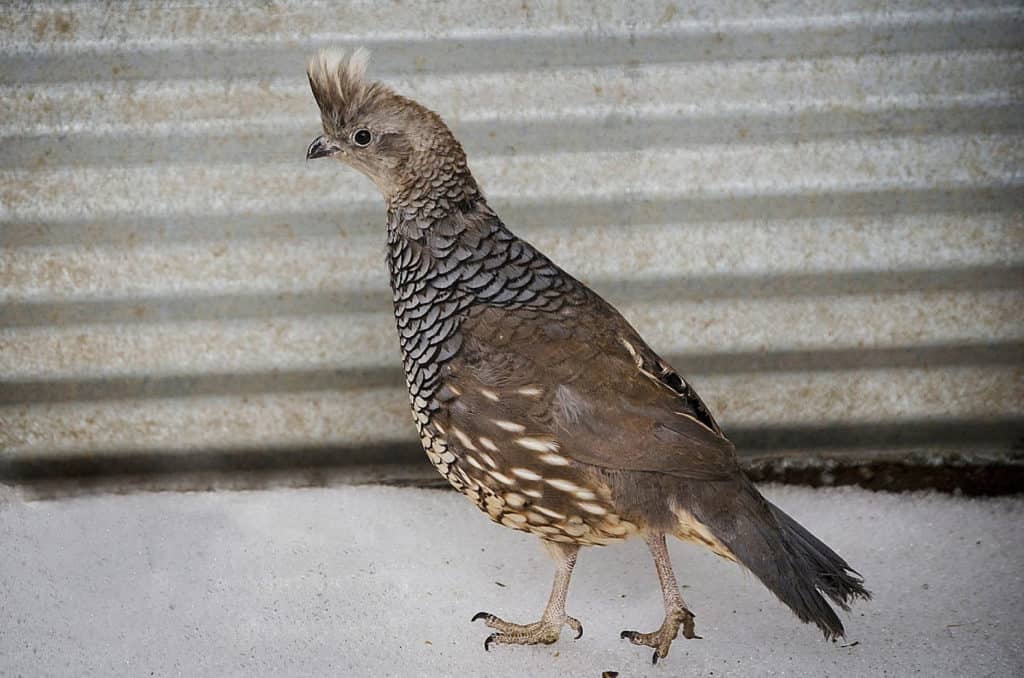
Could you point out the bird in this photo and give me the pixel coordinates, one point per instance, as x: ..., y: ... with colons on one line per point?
x: 536, y: 399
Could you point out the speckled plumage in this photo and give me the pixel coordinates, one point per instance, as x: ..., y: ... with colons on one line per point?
x: 534, y: 397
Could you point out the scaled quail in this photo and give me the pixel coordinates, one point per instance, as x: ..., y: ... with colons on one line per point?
x: 535, y: 398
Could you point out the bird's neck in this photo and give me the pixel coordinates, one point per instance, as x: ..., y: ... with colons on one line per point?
x: 436, y: 183
x: 425, y: 243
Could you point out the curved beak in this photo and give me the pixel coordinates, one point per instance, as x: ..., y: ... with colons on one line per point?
x: 321, y: 147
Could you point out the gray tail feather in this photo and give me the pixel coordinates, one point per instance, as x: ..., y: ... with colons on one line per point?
x: 832, y: 575
x: 794, y: 564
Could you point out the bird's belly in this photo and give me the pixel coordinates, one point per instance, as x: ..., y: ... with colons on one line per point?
x: 504, y: 502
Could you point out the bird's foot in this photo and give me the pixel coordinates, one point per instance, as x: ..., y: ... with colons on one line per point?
x: 545, y: 631
x: 662, y: 639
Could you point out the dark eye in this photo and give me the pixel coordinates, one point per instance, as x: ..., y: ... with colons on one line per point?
x: 362, y: 137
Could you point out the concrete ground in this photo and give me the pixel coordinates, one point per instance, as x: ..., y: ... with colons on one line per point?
x: 374, y: 581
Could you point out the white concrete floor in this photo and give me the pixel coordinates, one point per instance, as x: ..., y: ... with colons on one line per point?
x: 372, y: 581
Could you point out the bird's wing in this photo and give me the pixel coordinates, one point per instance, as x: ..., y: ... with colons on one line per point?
x: 578, y: 383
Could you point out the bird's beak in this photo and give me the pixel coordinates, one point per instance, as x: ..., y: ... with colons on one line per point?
x: 321, y: 147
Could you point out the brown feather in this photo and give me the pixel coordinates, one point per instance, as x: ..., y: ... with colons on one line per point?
x: 632, y: 420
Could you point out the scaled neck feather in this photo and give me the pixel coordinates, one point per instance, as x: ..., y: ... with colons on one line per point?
x: 437, y: 184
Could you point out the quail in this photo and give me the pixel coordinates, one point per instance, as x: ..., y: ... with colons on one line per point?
x: 536, y: 399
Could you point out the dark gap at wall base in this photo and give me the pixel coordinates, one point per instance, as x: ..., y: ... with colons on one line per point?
x: 968, y: 477
x: 957, y: 474
x: 403, y: 465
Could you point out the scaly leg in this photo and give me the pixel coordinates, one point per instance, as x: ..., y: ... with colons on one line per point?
x: 550, y: 625
x: 676, y: 613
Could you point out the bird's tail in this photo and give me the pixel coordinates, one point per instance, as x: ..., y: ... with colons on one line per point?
x: 794, y: 564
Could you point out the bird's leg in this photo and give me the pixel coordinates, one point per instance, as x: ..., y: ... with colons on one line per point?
x: 550, y: 625
x: 676, y: 613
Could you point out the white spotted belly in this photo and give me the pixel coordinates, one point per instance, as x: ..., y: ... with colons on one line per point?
x: 515, y: 500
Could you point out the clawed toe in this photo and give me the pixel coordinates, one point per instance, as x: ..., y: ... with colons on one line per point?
x: 543, y: 632
x: 488, y: 640
x: 661, y: 640
x: 686, y: 619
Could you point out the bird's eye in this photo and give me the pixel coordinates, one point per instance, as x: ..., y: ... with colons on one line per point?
x: 362, y: 137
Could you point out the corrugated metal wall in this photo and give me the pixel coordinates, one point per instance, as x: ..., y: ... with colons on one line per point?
x: 813, y: 208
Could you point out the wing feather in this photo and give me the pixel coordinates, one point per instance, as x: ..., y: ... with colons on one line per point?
x: 585, y: 382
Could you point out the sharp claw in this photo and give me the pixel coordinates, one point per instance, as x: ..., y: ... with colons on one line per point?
x: 579, y: 634
x: 654, y: 659
x: 480, y: 615
x: 625, y: 635
x: 487, y: 642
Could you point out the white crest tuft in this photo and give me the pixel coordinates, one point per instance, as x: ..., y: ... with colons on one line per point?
x: 327, y: 60
x: 357, y: 64
x: 339, y: 83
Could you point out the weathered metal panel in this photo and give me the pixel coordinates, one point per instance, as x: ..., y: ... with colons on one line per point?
x: 815, y: 209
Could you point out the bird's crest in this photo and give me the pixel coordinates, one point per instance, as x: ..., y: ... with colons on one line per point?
x: 340, y: 86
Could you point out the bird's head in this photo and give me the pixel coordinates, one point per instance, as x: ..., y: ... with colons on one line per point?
x: 405, y: 148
